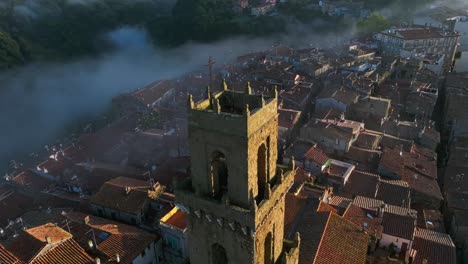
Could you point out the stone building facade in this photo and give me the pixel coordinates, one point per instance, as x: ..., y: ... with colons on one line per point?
x: 236, y: 194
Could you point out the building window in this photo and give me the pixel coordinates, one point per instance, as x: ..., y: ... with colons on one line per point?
x: 261, y: 172
x: 219, y: 175
x: 268, y: 247
x: 218, y: 254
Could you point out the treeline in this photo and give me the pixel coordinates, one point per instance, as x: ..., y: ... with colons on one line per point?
x: 63, y: 29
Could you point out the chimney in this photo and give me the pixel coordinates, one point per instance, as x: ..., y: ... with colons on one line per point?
x: 86, y: 219
x: 381, y: 210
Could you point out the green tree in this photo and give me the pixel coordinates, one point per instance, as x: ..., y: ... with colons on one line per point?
x: 10, y: 54
x: 376, y: 22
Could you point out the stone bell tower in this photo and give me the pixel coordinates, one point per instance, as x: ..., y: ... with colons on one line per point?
x: 236, y: 194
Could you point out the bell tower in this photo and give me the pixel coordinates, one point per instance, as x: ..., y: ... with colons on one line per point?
x: 236, y: 194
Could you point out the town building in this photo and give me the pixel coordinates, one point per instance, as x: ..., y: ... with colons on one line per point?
x: 409, y: 41
x: 235, y: 136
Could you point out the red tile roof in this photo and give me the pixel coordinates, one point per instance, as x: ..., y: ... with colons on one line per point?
x: 123, y: 194
x: 317, y: 155
x: 371, y: 222
x: 127, y: 241
x: 298, y: 95
x: 294, y: 205
x: 6, y: 257
x: 324, y: 207
x: 288, y: 118
x: 311, y: 226
x: 154, y: 91
x: 12, y: 204
x: 342, y: 242
x: 394, y: 192
x: 67, y: 252
x: 56, y: 234
x: 434, y: 247
x: 32, y: 246
x: 362, y: 183
x: 32, y: 181
x: 178, y: 219
x: 417, y: 168
x: 399, y: 225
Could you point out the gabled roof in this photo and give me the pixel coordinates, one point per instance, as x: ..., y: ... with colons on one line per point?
x: 371, y: 222
x: 47, y: 244
x: 317, y: 155
x: 111, y: 237
x: 294, y: 206
x: 395, y: 192
x: 176, y: 218
x: 342, y: 242
x: 362, y: 183
x: 367, y: 203
x: 287, y: 117
x: 6, y: 257
x: 399, y: 226
x: 153, y: 91
x: 324, y: 207
x: 68, y: 252
x: 123, y: 194
x: 434, y: 247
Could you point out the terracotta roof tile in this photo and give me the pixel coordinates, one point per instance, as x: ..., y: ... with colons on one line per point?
x: 362, y: 184
x: 12, y: 204
x: 153, y: 91
x: 31, y: 181
x: 176, y: 218
x: 434, y: 247
x: 398, y: 225
x: 56, y: 234
x: 112, y: 237
x: 67, y: 252
x: 294, y: 205
x: 363, y: 218
x: 324, y: 207
x: 367, y: 203
x: 123, y: 194
x: 287, y: 117
x: 6, y: 257
x: 395, y: 192
x: 342, y: 242
x: 317, y: 155
x: 311, y: 226
x: 33, y: 246
x: 339, y: 201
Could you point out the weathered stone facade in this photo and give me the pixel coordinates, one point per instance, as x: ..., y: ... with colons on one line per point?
x: 236, y: 194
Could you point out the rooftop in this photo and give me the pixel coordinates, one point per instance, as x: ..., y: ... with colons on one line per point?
x: 399, y: 226
x: 342, y: 242
x: 434, y: 247
x: 153, y: 91
x: 123, y: 194
x: 419, y: 32
x: 317, y: 155
x: 175, y: 218
x: 362, y: 184
x: 370, y: 222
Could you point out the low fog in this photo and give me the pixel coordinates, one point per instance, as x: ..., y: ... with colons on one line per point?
x: 38, y: 100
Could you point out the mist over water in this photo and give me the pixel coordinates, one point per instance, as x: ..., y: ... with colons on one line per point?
x: 37, y: 101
